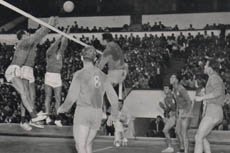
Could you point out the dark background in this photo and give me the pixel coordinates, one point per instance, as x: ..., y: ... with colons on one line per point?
x: 44, y: 8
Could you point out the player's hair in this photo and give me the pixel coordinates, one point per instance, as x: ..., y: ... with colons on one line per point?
x: 107, y: 36
x: 214, y: 64
x: 89, y: 53
x: 178, y: 76
x: 20, y: 33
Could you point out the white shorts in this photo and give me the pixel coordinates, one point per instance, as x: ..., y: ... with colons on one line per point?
x: 27, y: 73
x: 12, y: 71
x: 53, y: 79
x: 117, y: 76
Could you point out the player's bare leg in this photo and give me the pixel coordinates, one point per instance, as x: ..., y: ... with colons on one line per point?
x: 23, y: 122
x: 48, y: 92
x: 91, y: 137
x: 81, y: 134
x: 30, y: 87
x: 18, y: 85
x: 179, y: 134
x: 120, y: 92
x: 32, y: 93
x: 206, y: 144
x: 185, y: 125
x: 57, y: 94
x: 205, y: 127
x: 168, y: 125
x: 21, y: 89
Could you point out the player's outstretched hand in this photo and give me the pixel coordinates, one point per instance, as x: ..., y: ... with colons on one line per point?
x: 53, y: 21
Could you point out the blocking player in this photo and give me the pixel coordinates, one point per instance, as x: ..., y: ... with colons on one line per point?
x: 53, y: 82
x: 114, y: 57
x: 20, y: 74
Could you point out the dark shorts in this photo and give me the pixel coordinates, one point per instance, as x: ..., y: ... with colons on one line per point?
x: 88, y: 116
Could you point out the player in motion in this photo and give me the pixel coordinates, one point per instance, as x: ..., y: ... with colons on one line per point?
x: 87, y: 89
x: 117, y: 69
x: 53, y: 82
x: 183, y: 113
x: 114, y: 57
x: 20, y: 71
x: 169, y: 107
x: 213, y: 111
x: 121, y: 126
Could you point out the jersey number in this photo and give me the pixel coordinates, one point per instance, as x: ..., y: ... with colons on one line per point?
x: 97, y: 82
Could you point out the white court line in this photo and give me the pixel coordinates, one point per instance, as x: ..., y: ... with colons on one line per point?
x: 102, y: 149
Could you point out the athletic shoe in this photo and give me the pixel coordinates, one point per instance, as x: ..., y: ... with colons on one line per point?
x: 125, y: 142
x: 48, y: 120
x: 169, y: 149
x: 39, y: 118
x: 41, y: 113
x: 37, y: 125
x: 117, y: 144
x: 26, y: 126
x: 58, y: 123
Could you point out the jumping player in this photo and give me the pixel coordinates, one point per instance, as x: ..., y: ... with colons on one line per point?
x: 169, y: 107
x: 183, y: 113
x: 53, y: 82
x: 87, y: 89
x: 20, y: 71
x: 114, y: 57
x: 27, y: 74
x: 213, y: 113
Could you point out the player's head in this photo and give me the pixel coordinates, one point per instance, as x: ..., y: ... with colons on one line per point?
x: 166, y: 88
x: 174, y: 79
x: 21, y: 34
x: 211, y: 65
x: 89, y: 54
x: 107, y: 37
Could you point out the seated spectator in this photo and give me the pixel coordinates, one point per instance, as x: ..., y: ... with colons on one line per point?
x: 156, y: 127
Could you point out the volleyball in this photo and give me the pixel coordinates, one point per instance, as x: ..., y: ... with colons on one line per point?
x: 68, y: 6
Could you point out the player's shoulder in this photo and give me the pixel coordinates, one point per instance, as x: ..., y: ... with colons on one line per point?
x: 78, y: 73
x: 215, y: 78
x: 100, y: 72
x: 181, y: 87
x: 113, y: 44
x: 22, y: 43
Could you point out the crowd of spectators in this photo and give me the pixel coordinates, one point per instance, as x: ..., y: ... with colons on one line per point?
x: 157, y: 26
x: 148, y: 58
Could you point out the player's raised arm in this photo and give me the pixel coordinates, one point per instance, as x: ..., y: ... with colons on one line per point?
x: 64, y: 42
x: 41, y: 32
x: 103, y: 61
x: 53, y: 48
x: 105, y: 57
x: 72, y: 96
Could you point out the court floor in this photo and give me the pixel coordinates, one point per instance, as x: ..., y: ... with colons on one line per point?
x: 25, y: 144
